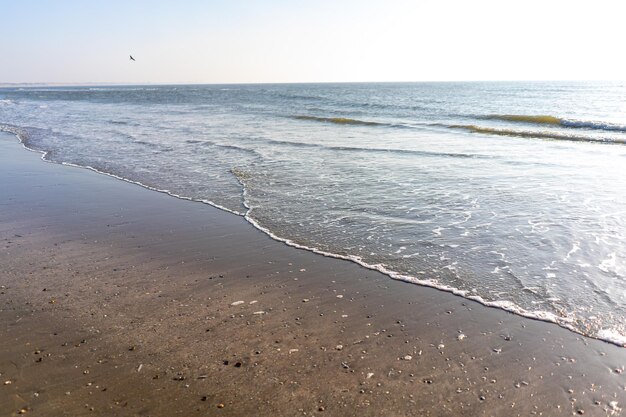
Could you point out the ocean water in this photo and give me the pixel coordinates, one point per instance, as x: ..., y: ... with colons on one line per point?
x: 512, y: 194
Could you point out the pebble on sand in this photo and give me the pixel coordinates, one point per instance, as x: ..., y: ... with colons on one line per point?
x: 339, y: 347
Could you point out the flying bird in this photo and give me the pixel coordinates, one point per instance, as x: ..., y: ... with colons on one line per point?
x: 131, y: 58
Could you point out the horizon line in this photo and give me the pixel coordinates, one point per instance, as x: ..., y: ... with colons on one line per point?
x: 128, y: 83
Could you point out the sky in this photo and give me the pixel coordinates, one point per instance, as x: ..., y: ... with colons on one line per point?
x: 239, y: 41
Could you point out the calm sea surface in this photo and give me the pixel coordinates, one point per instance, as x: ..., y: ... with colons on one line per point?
x: 513, y: 194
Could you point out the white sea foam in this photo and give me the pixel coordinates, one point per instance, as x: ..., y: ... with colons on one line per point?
x: 608, y: 264
x: 613, y: 336
x: 575, y: 248
x: 563, y: 321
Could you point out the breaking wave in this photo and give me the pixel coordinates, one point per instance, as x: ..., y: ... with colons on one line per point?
x: 556, y: 121
x: 341, y: 121
x: 537, y: 134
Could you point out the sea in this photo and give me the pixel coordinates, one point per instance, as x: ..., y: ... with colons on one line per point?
x: 512, y: 194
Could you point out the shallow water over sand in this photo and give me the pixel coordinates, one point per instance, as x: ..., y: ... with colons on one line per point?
x: 512, y: 194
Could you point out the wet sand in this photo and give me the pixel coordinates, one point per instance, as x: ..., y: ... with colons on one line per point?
x: 119, y: 301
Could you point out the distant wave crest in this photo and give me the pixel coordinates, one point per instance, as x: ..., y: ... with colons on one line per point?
x: 581, y: 124
x: 523, y: 118
x: 556, y: 121
x: 374, y: 150
x: 536, y: 134
x: 340, y: 121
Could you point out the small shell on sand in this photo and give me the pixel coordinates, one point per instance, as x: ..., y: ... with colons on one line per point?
x: 293, y: 350
x: 236, y: 303
x: 461, y: 337
x: 340, y: 296
x: 259, y: 312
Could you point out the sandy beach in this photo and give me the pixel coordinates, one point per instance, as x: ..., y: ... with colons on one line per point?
x: 118, y: 301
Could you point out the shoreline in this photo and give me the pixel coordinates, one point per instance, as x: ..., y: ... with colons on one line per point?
x: 147, y: 281
x: 606, y: 335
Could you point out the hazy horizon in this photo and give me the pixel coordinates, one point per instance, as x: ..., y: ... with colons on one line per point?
x: 239, y: 42
x: 121, y: 83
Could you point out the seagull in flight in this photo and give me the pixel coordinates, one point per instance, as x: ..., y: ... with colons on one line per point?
x: 131, y: 58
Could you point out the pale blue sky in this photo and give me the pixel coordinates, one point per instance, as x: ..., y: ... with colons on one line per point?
x: 308, y: 41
